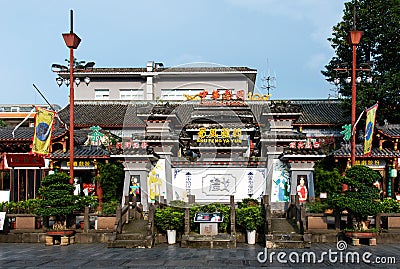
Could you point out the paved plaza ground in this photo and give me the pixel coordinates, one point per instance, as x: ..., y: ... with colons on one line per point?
x: 172, y: 256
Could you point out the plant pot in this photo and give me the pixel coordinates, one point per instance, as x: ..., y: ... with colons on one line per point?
x: 251, y: 237
x: 171, y: 236
x: 361, y: 234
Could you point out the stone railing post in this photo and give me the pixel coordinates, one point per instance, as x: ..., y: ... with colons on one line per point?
x: 378, y: 221
x: 86, y: 220
x: 233, y: 215
x: 192, y: 199
x: 119, y: 218
x: 187, y: 219
x: 268, y: 216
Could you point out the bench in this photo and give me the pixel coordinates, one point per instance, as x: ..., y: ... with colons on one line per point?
x: 208, y: 222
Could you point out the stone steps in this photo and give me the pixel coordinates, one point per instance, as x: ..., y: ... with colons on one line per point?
x: 134, y: 235
x: 286, y: 234
x: 207, y: 241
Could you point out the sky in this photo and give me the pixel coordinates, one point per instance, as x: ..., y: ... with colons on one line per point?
x: 285, y: 39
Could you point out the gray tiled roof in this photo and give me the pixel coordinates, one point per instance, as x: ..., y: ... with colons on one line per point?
x: 391, y: 131
x: 376, y: 152
x: 23, y: 133
x: 321, y: 112
x: 82, y: 152
x: 104, y: 115
x: 172, y: 69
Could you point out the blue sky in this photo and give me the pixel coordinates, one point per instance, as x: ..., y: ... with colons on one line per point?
x: 289, y: 35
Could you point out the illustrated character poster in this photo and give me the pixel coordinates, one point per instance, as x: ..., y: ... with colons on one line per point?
x: 280, y: 189
x: 302, y: 190
x: 157, y: 181
x: 134, y: 188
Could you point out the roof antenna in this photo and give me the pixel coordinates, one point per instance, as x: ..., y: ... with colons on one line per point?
x: 268, y: 82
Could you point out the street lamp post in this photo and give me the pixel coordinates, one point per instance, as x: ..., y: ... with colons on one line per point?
x: 72, y: 41
x: 353, y: 38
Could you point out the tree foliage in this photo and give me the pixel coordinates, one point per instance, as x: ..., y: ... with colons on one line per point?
x: 56, y: 197
x: 380, y: 22
x: 362, y: 198
x: 111, y: 181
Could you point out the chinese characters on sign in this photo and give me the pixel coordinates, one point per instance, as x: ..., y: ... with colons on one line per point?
x: 81, y: 164
x: 214, y: 135
x: 371, y: 163
x: 304, y: 145
x: 217, y: 185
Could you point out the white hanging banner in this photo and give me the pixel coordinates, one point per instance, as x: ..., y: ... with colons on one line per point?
x: 2, y: 220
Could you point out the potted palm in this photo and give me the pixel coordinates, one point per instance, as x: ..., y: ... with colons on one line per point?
x: 248, y: 216
x: 169, y: 220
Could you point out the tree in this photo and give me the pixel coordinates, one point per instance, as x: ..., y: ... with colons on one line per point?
x: 56, y: 197
x: 3, y: 123
x: 362, y: 198
x: 380, y: 43
x: 111, y: 181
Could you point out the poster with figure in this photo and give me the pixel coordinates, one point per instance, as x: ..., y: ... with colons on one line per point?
x: 134, y: 188
x: 302, y: 190
x: 157, y: 181
x: 280, y: 187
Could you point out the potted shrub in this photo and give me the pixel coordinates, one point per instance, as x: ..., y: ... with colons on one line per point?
x: 57, y: 200
x: 169, y: 220
x: 25, y: 218
x: 249, y: 217
x: 361, y: 199
x: 106, y: 219
x: 316, y: 218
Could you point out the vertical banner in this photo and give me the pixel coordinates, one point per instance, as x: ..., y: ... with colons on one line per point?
x: 369, y: 128
x: 43, y: 127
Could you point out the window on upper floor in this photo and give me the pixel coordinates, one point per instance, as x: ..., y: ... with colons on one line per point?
x: 179, y: 94
x: 102, y: 94
x: 14, y: 109
x: 131, y: 94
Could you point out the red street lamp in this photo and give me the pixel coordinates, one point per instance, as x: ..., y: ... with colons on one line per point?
x: 353, y: 39
x: 72, y: 41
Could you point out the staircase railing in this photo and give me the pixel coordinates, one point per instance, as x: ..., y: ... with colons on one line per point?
x: 122, y: 216
x: 268, y: 215
x: 297, y: 210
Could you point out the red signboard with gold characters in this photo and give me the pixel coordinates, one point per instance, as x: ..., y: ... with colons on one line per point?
x: 25, y: 160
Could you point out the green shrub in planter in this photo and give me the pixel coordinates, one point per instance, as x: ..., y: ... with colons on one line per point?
x: 317, y: 207
x: 390, y: 205
x: 169, y: 218
x: 249, y: 217
x: 362, y: 198
x: 56, y: 197
x: 109, y: 208
x: 211, y: 208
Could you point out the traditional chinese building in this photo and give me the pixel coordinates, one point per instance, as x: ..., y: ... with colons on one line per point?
x: 384, y: 158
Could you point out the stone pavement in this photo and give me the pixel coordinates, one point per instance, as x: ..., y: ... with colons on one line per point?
x: 172, y: 256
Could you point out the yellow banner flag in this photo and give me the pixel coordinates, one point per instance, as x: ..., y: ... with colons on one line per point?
x: 369, y: 129
x: 43, y: 129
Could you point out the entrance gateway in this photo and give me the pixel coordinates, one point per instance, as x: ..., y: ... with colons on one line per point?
x: 225, y: 149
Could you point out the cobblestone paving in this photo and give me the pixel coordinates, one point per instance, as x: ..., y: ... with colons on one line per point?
x: 172, y: 256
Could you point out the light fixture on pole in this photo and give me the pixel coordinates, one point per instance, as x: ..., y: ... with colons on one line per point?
x: 77, y: 81
x: 72, y: 41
